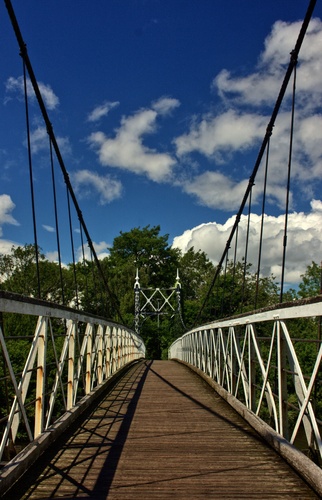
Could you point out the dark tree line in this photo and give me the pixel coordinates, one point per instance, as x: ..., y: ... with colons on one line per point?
x: 145, y: 250
x: 157, y: 262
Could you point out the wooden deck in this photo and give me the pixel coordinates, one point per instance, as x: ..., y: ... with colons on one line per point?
x: 162, y: 434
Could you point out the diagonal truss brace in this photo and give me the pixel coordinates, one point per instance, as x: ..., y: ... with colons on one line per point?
x: 156, y: 301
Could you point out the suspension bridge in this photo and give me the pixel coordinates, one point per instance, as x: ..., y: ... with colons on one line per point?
x: 232, y: 413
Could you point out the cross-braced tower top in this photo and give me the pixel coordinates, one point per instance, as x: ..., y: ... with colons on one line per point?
x: 156, y: 301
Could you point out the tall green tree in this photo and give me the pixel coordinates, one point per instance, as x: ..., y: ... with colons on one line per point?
x: 311, y: 283
x: 146, y: 250
x: 196, y: 272
x: 18, y: 274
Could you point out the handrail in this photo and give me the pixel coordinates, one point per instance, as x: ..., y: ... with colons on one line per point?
x: 256, y: 358
x: 69, y: 353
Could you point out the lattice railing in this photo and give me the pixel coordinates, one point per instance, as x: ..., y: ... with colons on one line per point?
x: 52, y: 357
x: 265, y: 361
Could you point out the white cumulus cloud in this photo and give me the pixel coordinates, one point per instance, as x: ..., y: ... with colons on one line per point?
x: 165, y: 105
x: 52, y: 256
x: 225, y: 133
x: 304, y: 241
x: 127, y: 151
x: 39, y: 141
x: 262, y: 86
x: 236, y: 127
x: 216, y: 190
x: 6, y: 207
x: 15, y: 86
x: 6, y: 248
x: 49, y: 229
x: 102, y: 110
x: 100, y: 248
x: 88, y: 184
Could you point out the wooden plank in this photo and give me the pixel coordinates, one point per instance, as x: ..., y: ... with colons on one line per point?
x: 162, y: 433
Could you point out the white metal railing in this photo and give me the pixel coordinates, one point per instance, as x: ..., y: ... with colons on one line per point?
x: 66, y: 356
x: 256, y: 358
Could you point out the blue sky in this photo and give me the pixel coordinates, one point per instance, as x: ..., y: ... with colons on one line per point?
x: 159, y: 107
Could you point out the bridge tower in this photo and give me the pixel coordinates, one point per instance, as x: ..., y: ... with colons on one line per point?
x: 155, y: 301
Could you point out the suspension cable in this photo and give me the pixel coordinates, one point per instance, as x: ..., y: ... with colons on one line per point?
x: 288, y: 183
x: 269, y: 130
x: 25, y: 56
x: 31, y: 181
x: 84, y: 259
x: 223, y: 288
x: 234, y: 270
x: 262, y: 225
x: 95, y: 284
x: 56, y: 221
x: 72, y: 247
x: 246, y: 250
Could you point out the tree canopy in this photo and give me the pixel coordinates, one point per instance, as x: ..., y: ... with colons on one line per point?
x: 148, y: 251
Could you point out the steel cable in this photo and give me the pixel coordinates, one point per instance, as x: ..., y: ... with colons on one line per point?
x: 31, y: 181
x: 269, y: 130
x: 24, y: 55
x: 288, y: 180
x: 72, y: 248
x: 56, y: 220
x: 262, y: 225
x: 246, y: 250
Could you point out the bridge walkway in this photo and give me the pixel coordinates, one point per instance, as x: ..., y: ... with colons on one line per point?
x: 162, y: 433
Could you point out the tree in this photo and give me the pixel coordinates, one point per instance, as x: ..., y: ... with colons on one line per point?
x: 149, y: 252
x: 196, y: 272
x: 235, y: 291
x: 311, y: 281
x: 18, y: 274
x: 18, y: 270
x: 308, y: 328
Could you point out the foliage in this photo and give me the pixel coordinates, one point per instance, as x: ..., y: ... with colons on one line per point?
x: 144, y: 249
x: 311, y: 281
x: 235, y: 291
x: 18, y: 274
x: 148, y: 252
x: 80, y: 285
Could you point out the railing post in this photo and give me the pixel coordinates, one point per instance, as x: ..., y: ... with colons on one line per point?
x: 233, y: 374
x: 88, y: 377
x: 99, y: 354
x: 220, y: 356
x: 120, y: 347
x: 252, y: 371
x: 108, y: 344
x: 203, y: 351
x: 282, y: 382
x: 70, y: 381
x: 41, y: 377
x: 284, y: 388
x: 126, y: 347
x: 71, y: 364
x: 262, y: 361
x: 114, y: 340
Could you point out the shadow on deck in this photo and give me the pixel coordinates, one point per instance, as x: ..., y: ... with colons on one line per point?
x: 161, y: 432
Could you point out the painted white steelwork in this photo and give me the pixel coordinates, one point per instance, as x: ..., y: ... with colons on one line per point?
x: 67, y: 356
x: 156, y: 301
x: 255, y: 358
